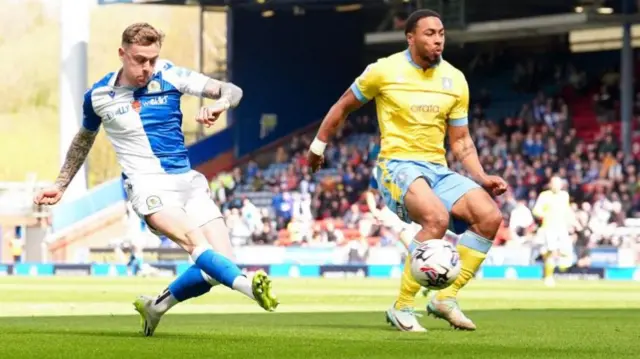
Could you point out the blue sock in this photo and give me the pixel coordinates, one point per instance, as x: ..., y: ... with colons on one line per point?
x: 189, y: 284
x: 218, y: 267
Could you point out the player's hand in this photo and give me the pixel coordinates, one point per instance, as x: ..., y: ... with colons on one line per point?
x: 315, y: 161
x: 48, y: 196
x: 208, y: 115
x: 495, y: 185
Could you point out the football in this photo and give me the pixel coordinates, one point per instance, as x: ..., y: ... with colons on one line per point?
x: 435, y: 264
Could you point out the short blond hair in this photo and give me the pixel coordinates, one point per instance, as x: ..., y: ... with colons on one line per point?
x: 141, y: 33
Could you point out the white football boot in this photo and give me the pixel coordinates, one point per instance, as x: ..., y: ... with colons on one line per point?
x: 404, y: 319
x: 149, y: 318
x: 449, y: 310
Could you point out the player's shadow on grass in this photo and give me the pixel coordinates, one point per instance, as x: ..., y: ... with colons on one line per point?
x: 127, y: 326
x: 373, y: 326
x: 112, y: 334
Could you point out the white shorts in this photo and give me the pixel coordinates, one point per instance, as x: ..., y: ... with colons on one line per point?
x: 190, y: 191
x: 557, y: 240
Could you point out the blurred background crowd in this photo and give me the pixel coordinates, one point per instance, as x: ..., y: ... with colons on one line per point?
x: 284, y: 204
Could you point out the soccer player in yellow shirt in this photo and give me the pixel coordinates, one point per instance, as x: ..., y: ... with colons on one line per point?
x: 553, y: 207
x: 420, y: 98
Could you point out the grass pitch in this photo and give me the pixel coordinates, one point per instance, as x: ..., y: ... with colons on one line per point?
x: 62, y: 317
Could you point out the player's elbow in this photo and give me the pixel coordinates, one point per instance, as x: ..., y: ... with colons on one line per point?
x: 236, y: 94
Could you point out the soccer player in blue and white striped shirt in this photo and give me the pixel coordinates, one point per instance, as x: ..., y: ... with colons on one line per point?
x: 139, y: 108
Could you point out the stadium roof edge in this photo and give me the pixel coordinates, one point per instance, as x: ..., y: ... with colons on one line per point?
x: 242, y: 2
x: 516, y: 28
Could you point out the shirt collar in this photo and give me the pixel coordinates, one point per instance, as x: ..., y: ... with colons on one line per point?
x: 407, y: 54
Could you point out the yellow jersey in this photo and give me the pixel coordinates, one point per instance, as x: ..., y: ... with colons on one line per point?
x: 414, y: 106
x: 553, y: 208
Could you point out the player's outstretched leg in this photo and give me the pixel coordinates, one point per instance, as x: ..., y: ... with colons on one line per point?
x: 258, y: 287
x: 480, y: 212
x: 210, y: 266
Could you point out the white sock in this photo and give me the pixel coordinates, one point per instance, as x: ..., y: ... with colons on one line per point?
x: 197, y: 251
x: 243, y: 285
x: 164, y: 302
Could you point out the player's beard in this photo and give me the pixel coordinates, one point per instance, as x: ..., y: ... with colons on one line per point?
x: 430, y: 58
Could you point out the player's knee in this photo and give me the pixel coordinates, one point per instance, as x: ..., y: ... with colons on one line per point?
x: 174, y: 223
x: 490, y: 222
x: 195, y: 238
x: 436, y: 220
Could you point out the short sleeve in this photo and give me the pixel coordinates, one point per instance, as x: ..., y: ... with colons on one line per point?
x: 460, y: 111
x: 367, y: 85
x: 186, y: 81
x: 90, y: 120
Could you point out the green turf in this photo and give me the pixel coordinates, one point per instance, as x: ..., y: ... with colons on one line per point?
x: 323, y: 318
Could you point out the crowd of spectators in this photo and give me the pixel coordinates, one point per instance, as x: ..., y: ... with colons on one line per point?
x: 526, y: 149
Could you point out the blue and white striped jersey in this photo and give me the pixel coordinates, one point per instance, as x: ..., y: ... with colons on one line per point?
x: 144, y: 125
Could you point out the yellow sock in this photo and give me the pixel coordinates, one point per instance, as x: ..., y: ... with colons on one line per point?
x: 473, y: 250
x: 408, y: 287
x: 549, y: 266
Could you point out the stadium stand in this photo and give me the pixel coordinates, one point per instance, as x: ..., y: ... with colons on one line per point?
x: 539, y: 119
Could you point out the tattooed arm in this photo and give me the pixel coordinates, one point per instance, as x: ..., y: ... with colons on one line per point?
x: 464, y: 150
x: 197, y: 84
x: 76, y: 155
x: 223, y: 91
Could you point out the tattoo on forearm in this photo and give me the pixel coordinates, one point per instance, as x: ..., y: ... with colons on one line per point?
x: 467, y: 149
x: 212, y: 89
x: 215, y: 89
x: 76, y: 155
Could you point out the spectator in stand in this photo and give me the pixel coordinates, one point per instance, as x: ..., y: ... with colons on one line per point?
x: 251, y: 170
x: 334, y: 235
x: 358, y: 251
x: 521, y: 223
x: 604, y: 105
x: 353, y: 216
x: 239, y: 230
x: 251, y: 216
x: 577, y: 79
x: 266, y: 236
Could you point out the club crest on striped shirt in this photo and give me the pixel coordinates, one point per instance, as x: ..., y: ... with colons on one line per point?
x: 447, y: 83
x: 153, y: 202
x: 153, y: 87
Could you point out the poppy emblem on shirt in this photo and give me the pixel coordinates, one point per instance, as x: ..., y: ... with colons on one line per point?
x: 136, y: 105
x: 153, y: 87
x: 447, y: 83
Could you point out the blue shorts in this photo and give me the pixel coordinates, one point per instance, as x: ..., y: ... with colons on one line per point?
x: 395, y: 177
